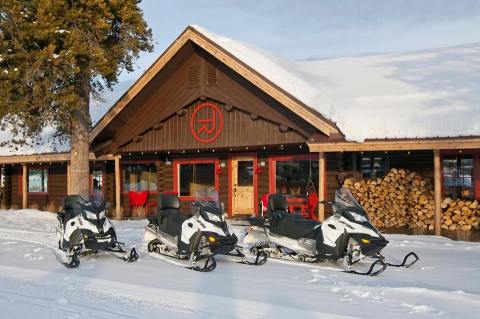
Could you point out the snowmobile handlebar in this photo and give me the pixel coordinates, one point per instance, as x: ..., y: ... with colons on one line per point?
x: 256, y: 221
x: 327, y: 202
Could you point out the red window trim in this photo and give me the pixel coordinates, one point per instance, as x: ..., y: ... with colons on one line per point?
x: 20, y: 180
x: 133, y: 162
x: 177, y: 162
x: 272, y: 168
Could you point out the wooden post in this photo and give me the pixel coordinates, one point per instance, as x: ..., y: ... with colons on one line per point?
x: 25, y: 186
x: 118, y: 189
x: 69, y: 179
x: 438, y: 191
x: 321, y: 185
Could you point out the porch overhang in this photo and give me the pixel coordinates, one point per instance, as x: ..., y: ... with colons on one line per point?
x: 448, y: 143
x: 47, y: 158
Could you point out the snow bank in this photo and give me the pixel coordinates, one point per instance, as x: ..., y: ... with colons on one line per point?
x: 422, y: 94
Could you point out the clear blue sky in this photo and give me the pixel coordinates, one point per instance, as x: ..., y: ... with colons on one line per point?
x: 309, y: 29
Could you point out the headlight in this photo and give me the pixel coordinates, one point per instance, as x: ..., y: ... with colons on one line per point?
x: 357, y: 217
x: 213, y: 217
x: 90, y: 215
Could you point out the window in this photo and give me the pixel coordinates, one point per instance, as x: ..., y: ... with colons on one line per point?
x: 292, y: 176
x: 97, y: 180
x: 373, y: 166
x: 38, y: 180
x: 139, y: 178
x: 458, y: 177
x: 196, y: 179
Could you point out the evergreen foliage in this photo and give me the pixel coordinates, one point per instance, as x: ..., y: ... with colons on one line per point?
x: 55, y: 54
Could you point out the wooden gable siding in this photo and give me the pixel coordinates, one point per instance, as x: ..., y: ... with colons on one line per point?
x: 192, y: 74
x: 239, y: 129
x: 233, y: 89
x: 167, y: 92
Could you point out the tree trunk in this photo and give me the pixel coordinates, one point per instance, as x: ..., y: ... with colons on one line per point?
x: 79, y: 153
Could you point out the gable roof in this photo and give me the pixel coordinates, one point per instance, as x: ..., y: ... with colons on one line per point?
x: 201, y: 38
x: 416, y: 95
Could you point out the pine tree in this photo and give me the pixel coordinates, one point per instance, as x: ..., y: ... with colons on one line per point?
x: 55, y: 55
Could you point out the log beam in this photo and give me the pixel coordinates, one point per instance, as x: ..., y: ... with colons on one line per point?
x: 118, y: 189
x: 24, y: 186
x: 321, y: 185
x: 437, y: 191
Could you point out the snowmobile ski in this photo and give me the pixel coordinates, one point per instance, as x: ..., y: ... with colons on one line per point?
x: 259, y: 257
x: 404, y: 263
x: 197, y: 262
x: 372, y: 271
x: 123, y: 254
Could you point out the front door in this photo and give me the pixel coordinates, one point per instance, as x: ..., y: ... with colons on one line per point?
x: 243, y: 199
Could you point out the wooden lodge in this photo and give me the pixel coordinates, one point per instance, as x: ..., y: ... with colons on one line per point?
x: 200, y: 121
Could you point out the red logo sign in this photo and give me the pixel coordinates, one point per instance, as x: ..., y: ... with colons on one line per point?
x: 206, y: 123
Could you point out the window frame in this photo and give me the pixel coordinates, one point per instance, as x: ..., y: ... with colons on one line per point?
x: 104, y: 175
x: 139, y: 162
x: 371, y: 156
x: 272, y: 165
x: 475, y: 172
x: 28, y: 175
x: 176, y: 174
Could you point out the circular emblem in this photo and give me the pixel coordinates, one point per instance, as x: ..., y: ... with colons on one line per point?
x: 206, y: 122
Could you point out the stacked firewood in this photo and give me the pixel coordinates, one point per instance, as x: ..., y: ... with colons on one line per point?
x: 402, y: 198
x: 405, y: 199
x: 460, y: 214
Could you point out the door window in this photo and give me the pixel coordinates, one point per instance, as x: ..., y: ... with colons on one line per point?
x: 245, y: 173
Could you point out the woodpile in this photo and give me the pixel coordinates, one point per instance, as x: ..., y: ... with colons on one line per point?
x: 460, y: 214
x: 405, y: 199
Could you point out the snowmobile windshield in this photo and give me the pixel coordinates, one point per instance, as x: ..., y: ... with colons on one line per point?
x: 344, y: 198
x: 94, y: 208
x: 207, y: 204
x: 348, y: 206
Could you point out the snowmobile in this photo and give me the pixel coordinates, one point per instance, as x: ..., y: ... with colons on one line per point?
x: 83, y: 229
x: 197, y: 237
x: 347, y: 234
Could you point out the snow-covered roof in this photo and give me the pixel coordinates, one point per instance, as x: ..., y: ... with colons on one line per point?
x: 50, y: 145
x: 421, y: 94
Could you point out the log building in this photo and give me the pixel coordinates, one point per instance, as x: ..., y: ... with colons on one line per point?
x: 201, y: 120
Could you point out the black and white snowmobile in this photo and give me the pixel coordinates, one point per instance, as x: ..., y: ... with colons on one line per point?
x: 347, y: 234
x: 84, y: 229
x: 196, y: 237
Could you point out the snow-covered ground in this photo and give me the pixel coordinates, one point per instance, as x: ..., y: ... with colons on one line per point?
x: 33, y: 284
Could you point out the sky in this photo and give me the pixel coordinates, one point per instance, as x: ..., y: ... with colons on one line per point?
x: 309, y: 29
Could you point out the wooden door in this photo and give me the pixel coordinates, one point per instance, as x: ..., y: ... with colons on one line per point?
x: 243, y: 197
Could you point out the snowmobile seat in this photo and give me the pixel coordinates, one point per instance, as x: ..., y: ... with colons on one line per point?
x: 285, y: 224
x: 295, y: 227
x: 168, y: 217
x: 277, y: 206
